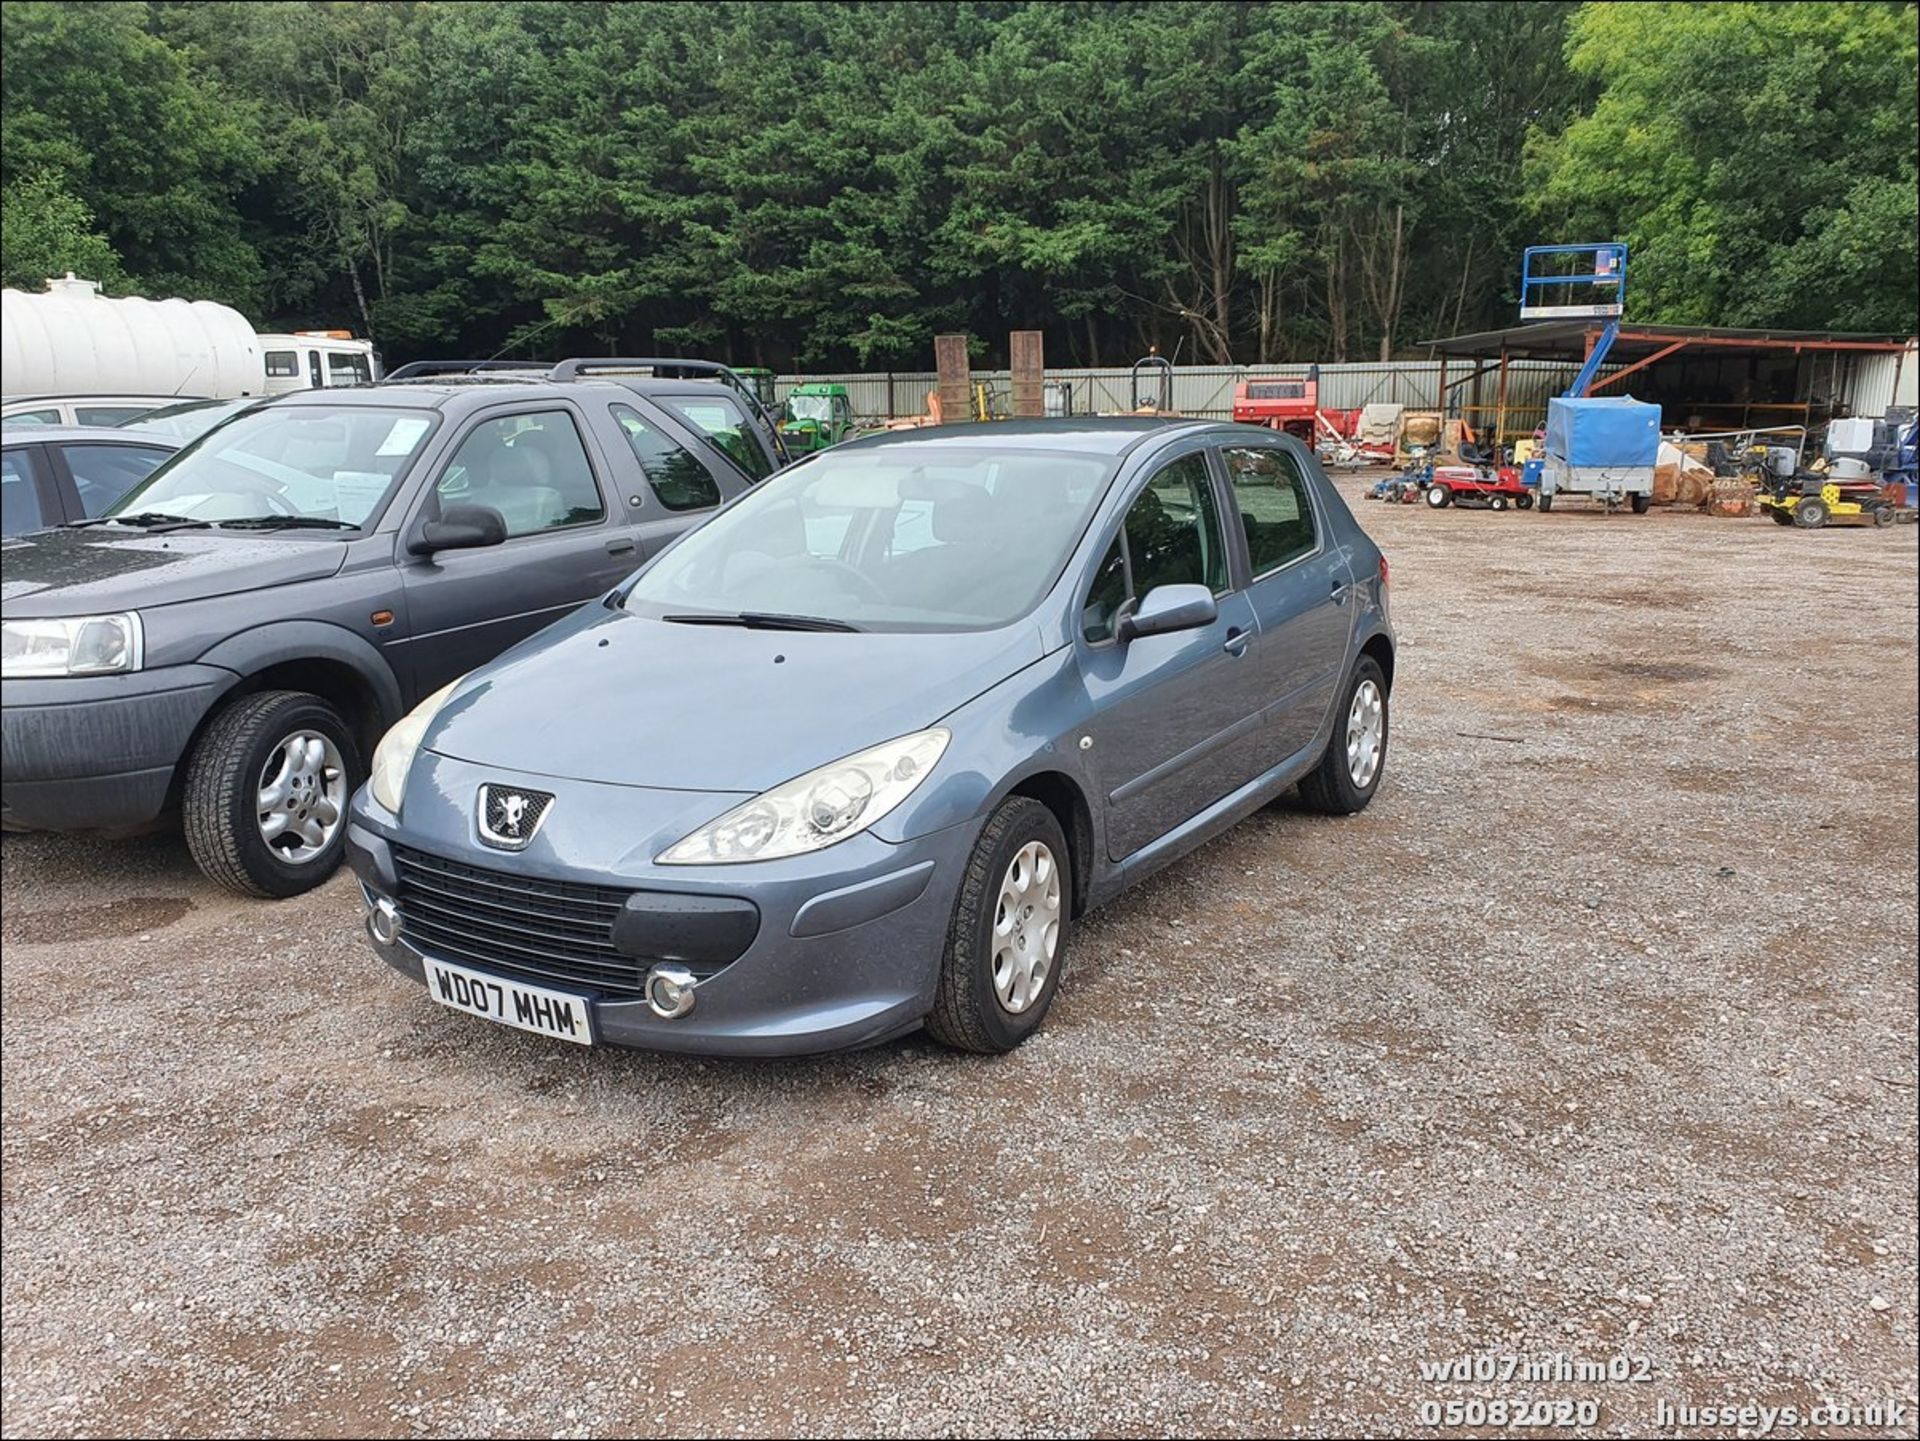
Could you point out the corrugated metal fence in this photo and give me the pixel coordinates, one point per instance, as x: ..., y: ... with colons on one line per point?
x: 1884, y: 381
x: 1207, y: 390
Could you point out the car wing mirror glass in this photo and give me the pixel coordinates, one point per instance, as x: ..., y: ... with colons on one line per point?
x: 460, y: 527
x: 1169, y: 608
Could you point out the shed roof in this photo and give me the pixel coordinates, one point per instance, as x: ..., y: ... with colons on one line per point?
x: 1567, y: 340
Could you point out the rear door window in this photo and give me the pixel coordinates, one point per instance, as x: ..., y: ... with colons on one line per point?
x: 1276, y: 512
x: 108, y: 414
x: 676, y: 475
x: 103, y: 473
x: 20, y: 507
x: 721, y: 419
x: 34, y: 417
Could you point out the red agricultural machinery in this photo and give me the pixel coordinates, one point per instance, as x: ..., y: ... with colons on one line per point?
x: 1292, y: 403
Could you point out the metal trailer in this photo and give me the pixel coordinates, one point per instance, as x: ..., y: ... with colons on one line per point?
x: 1604, y: 448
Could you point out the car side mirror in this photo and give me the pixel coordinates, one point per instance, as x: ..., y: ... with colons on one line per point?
x: 460, y: 527
x: 1169, y: 608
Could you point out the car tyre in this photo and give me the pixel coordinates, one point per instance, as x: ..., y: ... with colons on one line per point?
x: 1340, y: 785
x: 310, y: 748
x: 1642, y: 502
x: 969, y: 1012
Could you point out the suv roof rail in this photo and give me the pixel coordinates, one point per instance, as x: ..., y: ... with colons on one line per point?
x: 414, y: 369
x: 676, y: 367
x: 664, y: 366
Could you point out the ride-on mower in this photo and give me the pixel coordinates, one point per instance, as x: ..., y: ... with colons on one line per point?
x: 1847, y: 494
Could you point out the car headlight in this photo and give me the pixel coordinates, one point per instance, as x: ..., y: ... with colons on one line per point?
x: 816, y: 810
x: 71, y: 645
x: 393, y: 757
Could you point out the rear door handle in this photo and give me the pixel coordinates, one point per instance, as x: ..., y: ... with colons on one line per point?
x: 622, y: 546
x: 1341, y: 590
x: 1236, y: 642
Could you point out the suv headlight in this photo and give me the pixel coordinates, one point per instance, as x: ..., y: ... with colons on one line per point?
x: 71, y: 645
x: 816, y: 810
x: 393, y: 757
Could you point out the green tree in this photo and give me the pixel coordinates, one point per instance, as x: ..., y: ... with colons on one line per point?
x: 46, y: 231
x: 152, y: 147
x: 1758, y: 159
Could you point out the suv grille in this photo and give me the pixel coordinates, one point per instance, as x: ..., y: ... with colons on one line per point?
x: 546, y: 932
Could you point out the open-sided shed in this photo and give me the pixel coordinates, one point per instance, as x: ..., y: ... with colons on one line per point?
x: 1701, y: 377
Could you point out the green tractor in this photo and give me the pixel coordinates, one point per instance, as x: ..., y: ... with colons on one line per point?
x: 817, y: 416
x: 760, y: 381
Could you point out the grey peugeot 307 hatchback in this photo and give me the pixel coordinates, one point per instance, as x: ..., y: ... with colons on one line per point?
x: 853, y: 757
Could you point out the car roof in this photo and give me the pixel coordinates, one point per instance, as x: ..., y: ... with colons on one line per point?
x: 36, y: 397
x: 1094, y: 434
x: 13, y: 435
x: 453, y: 393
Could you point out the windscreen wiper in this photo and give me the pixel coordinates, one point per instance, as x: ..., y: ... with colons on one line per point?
x: 287, y: 522
x: 762, y: 620
x: 145, y: 520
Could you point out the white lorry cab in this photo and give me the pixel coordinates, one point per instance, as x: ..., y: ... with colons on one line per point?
x: 314, y: 359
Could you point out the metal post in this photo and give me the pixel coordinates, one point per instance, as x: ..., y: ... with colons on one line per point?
x: 1500, y: 405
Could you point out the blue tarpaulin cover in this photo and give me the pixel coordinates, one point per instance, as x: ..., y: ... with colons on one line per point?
x: 1610, y: 430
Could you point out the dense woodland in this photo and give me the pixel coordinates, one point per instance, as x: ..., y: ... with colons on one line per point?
x: 829, y: 185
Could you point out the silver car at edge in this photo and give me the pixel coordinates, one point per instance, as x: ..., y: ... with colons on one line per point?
x: 853, y: 757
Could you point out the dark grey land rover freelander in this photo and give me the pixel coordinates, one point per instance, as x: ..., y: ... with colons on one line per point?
x: 232, y: 639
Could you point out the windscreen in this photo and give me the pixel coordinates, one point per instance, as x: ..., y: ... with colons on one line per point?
x: 810, y: 407
x: 324, y: 462
x: 185, y: 422
x: 898, y: 538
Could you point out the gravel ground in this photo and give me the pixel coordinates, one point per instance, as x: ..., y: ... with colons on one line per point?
x: 1595, y: 1036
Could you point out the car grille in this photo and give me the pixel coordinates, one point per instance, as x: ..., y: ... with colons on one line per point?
x: 546, y: 932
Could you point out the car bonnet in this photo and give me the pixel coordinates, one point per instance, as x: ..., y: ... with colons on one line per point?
x: 618, y: 698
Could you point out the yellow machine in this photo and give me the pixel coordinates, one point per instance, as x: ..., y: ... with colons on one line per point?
x: 1834, y: 504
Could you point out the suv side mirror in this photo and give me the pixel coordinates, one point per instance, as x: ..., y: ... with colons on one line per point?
x: 1169, y: 608
x: 460, y: 527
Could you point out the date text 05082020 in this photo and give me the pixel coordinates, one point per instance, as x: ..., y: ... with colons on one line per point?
x: 1511, y: 1414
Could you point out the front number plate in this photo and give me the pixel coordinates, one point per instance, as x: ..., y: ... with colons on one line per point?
x: 559, y: 1014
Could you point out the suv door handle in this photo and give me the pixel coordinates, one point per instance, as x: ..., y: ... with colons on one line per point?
x: 1236, y: 642
x: 622, y: 546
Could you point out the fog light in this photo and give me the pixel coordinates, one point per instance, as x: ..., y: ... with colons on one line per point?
x: 670, y: 991
x: 383, y: 921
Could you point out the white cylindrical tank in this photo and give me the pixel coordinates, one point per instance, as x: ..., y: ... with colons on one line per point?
x: 72, y: 340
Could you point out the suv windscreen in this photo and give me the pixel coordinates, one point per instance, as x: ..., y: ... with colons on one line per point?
x: 892, y: 539
x: 322, y: 462
x: 194, y: 418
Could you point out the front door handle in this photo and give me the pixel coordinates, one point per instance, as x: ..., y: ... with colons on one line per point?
x: 1236, y: 642
x: 622, y: 546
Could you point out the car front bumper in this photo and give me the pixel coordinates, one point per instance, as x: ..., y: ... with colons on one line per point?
x: 829, y: 951
x: 97, y: 753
